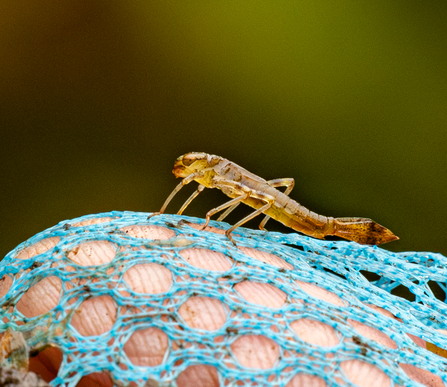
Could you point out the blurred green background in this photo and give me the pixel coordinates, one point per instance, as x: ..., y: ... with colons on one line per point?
x: 98, y: 98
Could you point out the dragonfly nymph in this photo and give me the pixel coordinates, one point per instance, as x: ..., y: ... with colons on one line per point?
x: 242, y: 186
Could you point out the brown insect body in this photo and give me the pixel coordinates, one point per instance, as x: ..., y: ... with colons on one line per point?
x: 212, y: 171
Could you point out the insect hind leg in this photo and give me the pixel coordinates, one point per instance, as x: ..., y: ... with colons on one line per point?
x: 288, y: 182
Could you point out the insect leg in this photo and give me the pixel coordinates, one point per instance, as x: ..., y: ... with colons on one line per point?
x: 259, y: 211
x: 227, y: 212
x: 268, y: 199
x: 232, y: 202
x: 185, y: 181
x: 200, y: 188
x: 288, y: 182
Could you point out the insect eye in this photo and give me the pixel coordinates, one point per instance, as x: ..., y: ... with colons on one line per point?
x: 188, y: 160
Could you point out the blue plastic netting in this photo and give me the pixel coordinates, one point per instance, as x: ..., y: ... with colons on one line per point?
x: 297, y: 266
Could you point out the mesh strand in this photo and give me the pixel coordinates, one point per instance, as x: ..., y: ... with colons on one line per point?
x: 338, y: 267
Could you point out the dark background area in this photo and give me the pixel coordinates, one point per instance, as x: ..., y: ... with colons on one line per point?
x: 98, y: 98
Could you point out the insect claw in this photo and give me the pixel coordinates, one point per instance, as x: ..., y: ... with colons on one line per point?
x: 183, y: 222
x: 228, y: 235
x: 206, y: 223
x: 153, y: 214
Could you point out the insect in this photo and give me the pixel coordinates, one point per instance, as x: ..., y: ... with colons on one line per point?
x: 240, y: 185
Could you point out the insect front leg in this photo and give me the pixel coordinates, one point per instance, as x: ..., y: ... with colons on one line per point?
x: 288, y: 182
x: 200, y: 188
x: 185, y: 181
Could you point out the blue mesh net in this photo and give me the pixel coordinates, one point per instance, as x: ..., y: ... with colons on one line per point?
x: 299, y: 265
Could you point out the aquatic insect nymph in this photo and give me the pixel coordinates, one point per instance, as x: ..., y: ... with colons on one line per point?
x: 212, y: 171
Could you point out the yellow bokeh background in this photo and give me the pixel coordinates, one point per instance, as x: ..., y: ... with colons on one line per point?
x: 97, y: 99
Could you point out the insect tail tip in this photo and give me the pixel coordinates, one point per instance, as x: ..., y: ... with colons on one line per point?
x: 364, y: 231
